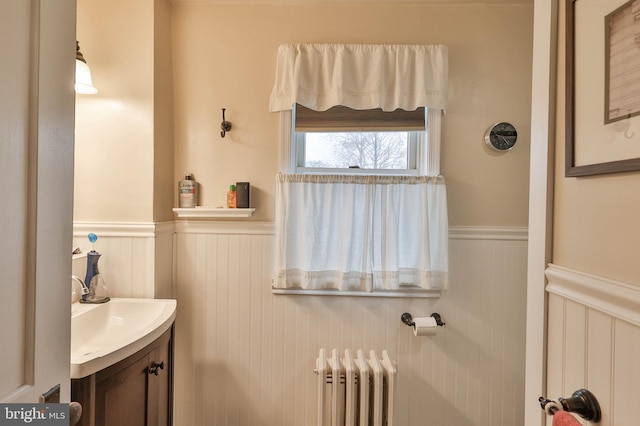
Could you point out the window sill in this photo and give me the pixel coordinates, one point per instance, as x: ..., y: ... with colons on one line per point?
x: 422, y: 294
x: 212, y: 212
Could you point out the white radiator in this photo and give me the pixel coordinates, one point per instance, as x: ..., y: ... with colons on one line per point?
x: 355, y: 391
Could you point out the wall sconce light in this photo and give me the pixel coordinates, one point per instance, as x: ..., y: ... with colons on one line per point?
x: 83, y: 74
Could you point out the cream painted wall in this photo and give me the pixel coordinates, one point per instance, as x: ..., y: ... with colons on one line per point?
x: 586, y: 298
x: 225, y: 58
x: 163, y: 185
x: 596, y: 224
x: 124, y: 133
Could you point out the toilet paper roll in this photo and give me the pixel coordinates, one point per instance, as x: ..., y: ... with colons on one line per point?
x: 425, y: 326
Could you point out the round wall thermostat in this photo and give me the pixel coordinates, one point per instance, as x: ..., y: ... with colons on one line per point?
x: 501, y: 137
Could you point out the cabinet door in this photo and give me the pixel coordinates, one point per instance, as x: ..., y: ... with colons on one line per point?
x: 161, y: 384
x: 137, y: 391
x: 121, y: 399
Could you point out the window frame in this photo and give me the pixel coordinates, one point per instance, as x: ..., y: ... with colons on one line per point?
x: 427, y: 149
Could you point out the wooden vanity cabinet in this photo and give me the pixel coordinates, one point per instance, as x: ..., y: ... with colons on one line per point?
x: 137, y: 391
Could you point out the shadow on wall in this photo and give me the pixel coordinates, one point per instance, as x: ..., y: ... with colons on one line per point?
x: 234, y: 402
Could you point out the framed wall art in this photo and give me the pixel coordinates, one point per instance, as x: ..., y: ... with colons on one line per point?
x: 602, y: 133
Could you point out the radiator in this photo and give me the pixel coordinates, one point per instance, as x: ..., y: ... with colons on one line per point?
x: 355, y: 391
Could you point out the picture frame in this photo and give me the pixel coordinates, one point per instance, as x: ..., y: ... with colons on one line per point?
x: 594, y: 144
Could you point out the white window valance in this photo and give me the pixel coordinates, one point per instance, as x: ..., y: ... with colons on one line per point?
x: 360, y: 76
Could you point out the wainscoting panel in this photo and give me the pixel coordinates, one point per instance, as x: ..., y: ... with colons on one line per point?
x: 245, y: 356
x: 136, y: 258
x: 594, y: 342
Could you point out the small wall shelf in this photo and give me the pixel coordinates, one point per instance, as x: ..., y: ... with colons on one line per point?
x: 212, y: 212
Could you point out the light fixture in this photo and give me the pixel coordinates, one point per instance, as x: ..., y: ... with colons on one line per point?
x: 83, y: 74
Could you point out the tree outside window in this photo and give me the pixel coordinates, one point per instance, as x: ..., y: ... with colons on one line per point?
x: 365, y: 150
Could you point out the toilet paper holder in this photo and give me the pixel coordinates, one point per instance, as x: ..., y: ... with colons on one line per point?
x: 408, y: 319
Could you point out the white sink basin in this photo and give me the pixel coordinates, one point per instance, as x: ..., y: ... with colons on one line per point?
x: 104, y: 334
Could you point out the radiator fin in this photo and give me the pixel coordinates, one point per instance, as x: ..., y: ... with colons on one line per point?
x: 355, y: 391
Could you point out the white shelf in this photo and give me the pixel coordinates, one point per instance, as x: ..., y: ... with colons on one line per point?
x: 212, y: 212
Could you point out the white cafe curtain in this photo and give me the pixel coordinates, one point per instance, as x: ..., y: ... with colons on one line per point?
x: 361, y: 233
x: 360, y: 76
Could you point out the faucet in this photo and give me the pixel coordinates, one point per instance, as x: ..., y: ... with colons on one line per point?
x: 88, y: 292
x: 83, y: 287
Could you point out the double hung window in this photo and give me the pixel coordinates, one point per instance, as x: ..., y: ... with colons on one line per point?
x: 344, y: 140
x: 361, y: 206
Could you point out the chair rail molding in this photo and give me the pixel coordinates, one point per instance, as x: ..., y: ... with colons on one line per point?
x: 616, y: 299
x: 122, y: 229
x: 488, y: 233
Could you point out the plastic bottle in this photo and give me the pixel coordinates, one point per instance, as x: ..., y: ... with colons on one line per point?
x: 97, y: 290
x: 187, y: 192
x: 231, y: 197
x: 93, y: 280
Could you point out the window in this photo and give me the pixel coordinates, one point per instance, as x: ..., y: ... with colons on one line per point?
x: 348, y: 152
x: 344, y: 140
x: 349, y: 221
x: 361, y: 142
x: 360, y: 231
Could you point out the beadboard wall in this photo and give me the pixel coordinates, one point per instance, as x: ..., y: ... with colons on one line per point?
x: 594, y: 342
x: 245, y: 356
x: 137, y: 258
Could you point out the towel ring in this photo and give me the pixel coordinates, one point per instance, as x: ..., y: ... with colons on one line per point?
x: 582, y: 402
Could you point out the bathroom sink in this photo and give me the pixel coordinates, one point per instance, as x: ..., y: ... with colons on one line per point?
x: 103, y: 334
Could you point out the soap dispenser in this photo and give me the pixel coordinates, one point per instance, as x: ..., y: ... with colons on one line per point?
x: 93, y: 280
